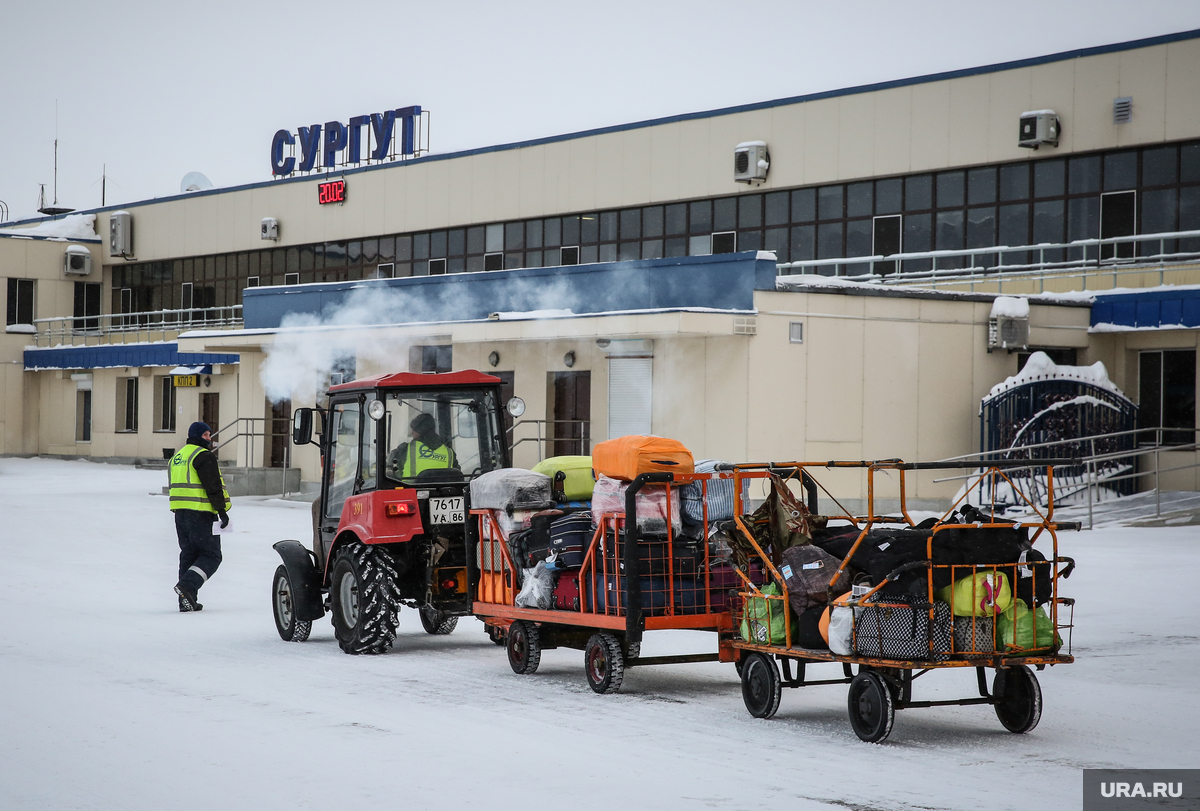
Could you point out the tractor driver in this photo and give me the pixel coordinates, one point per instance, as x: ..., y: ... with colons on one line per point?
x: 425, y: 451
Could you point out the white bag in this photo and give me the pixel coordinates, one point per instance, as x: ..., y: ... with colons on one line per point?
x: 841, y: 626
x: 537, y: 590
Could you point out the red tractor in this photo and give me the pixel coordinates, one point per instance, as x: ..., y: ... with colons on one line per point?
x: 398, y: 454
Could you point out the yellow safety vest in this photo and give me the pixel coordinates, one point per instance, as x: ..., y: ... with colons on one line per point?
x: 186, y: 491
x: 421, y: 457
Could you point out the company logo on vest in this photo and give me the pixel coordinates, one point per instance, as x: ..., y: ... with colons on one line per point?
x: 347, y: 140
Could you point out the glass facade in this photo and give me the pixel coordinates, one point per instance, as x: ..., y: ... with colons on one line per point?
x: 1153, y: 189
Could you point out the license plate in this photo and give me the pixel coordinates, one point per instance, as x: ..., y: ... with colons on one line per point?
x: 446, y: 510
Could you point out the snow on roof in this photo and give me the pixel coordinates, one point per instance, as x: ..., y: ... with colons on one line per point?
x: 1040, y: 367
x: 1010, y: 307
x: 73, y: 226
x: 530, y: 315
x: 816, y: 280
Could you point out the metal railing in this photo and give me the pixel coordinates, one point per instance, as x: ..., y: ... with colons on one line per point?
x: 246, y: 429
x: 111, y: 328
x: 1090, y: 480
x: 1083, y: 257
x: 584, y: 440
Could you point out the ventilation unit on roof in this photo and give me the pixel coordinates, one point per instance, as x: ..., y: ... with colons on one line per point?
x: 120, y: 234
x: 1039, y: 127
x: 77, y: 261
x: 751, y: 162
x: 1123, y: 110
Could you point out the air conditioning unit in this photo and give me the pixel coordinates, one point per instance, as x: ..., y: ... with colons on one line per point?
x: 120, y: 234
x: 77, y: 261
x: 270, y: 228
x: 1039, y: 127
x: 751, y: 161
x: 1009, y: 333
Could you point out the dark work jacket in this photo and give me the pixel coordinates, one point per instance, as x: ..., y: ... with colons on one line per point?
x: 205, y: 465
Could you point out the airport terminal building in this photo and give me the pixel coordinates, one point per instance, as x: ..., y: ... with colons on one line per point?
x: 807, y: 278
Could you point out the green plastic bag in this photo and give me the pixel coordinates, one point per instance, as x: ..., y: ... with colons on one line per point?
x: 763, y: 620
x: 1015, y: 629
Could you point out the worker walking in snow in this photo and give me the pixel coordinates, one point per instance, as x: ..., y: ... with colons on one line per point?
x: 198, y: 498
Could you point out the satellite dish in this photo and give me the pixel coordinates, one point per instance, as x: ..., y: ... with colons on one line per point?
x: 194, y: 181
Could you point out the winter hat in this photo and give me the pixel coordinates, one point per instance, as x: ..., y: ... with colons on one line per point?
x: 197, y: 429
x: 423, y: 424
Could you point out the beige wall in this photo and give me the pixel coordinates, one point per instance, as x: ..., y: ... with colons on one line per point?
x: 954, y: 122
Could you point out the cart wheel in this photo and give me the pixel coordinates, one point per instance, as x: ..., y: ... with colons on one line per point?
x: 871, y: 709
x: 1018, y: 698
x: 603, y: 663
x: 760, y: 685
x: 524, y: 647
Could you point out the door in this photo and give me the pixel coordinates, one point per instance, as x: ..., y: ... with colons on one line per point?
x: 885, y: 242
x: 341, y: 461
x: 279, y: 422
x: 572, y: 413
x: 1118, y: 216
x: 210, y: 413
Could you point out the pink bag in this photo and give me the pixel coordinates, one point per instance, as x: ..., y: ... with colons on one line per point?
x: 652, y: 505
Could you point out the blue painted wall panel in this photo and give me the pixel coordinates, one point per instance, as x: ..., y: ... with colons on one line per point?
x: 1148, y: 308
x: 723, y: 282
x: 108, y: 357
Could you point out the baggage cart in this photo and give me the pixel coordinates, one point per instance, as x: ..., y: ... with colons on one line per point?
x: 613, y: 609
x: 879, y: 685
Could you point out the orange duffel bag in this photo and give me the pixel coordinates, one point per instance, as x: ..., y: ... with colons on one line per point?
x: 628, y: 456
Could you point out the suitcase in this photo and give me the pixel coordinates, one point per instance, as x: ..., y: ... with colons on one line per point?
x: 689, y: 597
x: 511, y: 488
x: 1034, y: 578
x: 627, y: 457
x: 570, y: 476
x: 899, y: 628
x: 570, y: 536
x: 977, y: 638
x: 566, y: 592
x: 528, y: 547
x: 716, y: 493
x: 807, y: 629
x: 604, y: 596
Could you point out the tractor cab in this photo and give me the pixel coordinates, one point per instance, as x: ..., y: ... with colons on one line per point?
x: 398, y: 452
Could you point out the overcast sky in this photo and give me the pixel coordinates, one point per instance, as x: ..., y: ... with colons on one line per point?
x: 154, y: 90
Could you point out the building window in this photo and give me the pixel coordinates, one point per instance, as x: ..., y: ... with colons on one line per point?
x: 291, y: 278
x: 724, y: 242
x: 1167, y: 395
x: 127, y: 404
x: 431, y: 358
x: 20, y: 301
x: 251, y: 281
x: 494, y: 261
x: 164, y: 403
x: 83, y: 415
x: 437, y: 267
x: 87, y: 306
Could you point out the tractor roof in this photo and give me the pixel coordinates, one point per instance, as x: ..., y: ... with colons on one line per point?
x: 423, y: 380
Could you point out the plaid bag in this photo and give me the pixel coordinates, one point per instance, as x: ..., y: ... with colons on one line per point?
x: 899, y: 628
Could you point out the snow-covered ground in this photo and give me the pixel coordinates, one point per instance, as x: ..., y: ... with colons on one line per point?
x: 111, y: 699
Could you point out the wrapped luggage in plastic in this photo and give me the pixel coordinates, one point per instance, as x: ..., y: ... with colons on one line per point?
x: 628, y: 456
x: 609, y: 497
x: 511, y: 488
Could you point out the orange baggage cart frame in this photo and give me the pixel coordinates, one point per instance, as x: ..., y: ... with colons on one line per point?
x: 883, y: 685
x: 608, y: 630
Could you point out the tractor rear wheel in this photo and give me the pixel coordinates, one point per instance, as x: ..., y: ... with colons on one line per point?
x: 283, y: 606
x: 363, y: 596
x: 436, y: 622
